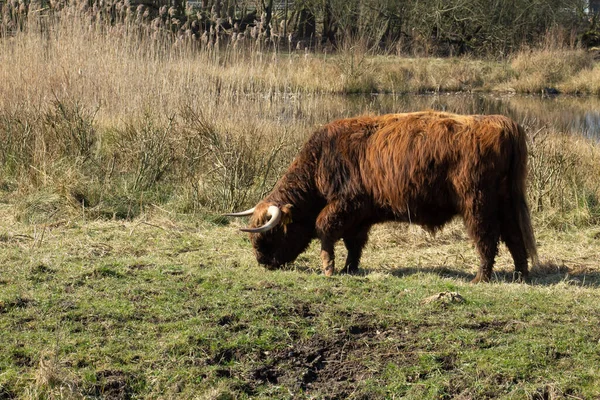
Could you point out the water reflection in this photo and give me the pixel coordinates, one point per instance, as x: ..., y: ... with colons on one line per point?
x: 576, y: 115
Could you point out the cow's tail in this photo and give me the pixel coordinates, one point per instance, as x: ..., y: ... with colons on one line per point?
x: 518, y: 192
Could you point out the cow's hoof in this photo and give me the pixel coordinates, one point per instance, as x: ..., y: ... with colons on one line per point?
x: 521, y: 278
x: 480, y: 279
x: 350, y: 271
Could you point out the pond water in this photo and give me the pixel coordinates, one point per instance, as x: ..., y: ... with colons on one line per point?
x: 568, y: 114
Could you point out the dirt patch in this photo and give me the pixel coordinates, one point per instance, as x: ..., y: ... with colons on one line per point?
x: 7, y: 393
x: 112, y: 385
x: 227, y: 320
x: 139, y: 267
x: 17, y: 302
x: 329, y: 367
x: 487, y: 325
x: 20, y: 357
x: 304, y: 310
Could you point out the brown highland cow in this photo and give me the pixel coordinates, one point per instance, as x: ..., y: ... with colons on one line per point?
x: 423, y: 168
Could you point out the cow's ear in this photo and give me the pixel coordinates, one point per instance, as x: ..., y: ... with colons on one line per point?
x: 286, y: 212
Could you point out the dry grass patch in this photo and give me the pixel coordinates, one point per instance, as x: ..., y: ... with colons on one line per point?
x: 537, y: 70
x: 563, y: 171
x: 585, y: 82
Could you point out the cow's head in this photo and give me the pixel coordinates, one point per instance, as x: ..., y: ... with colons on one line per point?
x: 276, y: 236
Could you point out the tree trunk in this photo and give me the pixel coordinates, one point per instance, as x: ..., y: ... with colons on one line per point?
x: 266, y: 17
x: 329, y: 25
x: 307, y: 26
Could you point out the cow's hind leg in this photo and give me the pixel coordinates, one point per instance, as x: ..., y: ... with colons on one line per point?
x: 487, y: 247
x: 329, y: 227
x: 355, y: 244
x: 510, y: 233
x: 483, y: 223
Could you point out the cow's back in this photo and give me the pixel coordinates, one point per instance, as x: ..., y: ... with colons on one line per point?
x: 423, y: 166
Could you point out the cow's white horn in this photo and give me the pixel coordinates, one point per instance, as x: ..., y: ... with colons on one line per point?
x: 241, y: 213
x: 275, y: 214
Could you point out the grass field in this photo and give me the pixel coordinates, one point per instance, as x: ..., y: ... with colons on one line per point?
x: 173, y: 306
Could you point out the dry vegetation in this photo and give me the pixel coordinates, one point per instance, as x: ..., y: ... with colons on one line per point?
x: 105, y: 119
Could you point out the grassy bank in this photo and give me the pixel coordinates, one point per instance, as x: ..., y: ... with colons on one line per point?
x: 167, y: 306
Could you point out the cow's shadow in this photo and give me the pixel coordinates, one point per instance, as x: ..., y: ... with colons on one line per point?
x: 544, y: 274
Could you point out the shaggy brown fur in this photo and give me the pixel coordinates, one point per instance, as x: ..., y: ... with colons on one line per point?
x: 423, y: 168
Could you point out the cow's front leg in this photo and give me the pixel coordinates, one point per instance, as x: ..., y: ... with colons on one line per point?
x: 329, y: 226
x: 327, y: 257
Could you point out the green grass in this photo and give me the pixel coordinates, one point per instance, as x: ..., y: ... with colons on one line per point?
x: 168, y: 306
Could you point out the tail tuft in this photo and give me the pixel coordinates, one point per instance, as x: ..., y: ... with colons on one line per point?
x: 527, y: 232
x: 519, y: 171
